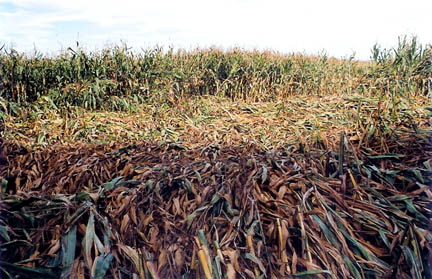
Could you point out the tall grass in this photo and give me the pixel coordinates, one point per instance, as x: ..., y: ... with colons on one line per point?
x: 117, y: 77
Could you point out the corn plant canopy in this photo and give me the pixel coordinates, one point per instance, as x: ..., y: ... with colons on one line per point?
x: 213, y: 164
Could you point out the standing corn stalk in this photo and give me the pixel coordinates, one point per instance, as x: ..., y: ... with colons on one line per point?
x: 2, y: 158
x: 427, y: 68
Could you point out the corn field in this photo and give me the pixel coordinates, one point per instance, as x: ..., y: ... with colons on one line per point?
x: 215, y: 164
x: 111, y: 78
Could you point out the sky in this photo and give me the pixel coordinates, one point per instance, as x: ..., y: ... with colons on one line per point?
x: 334, y: 27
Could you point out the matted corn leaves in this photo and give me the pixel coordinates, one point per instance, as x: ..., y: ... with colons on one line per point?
x: 159, y: 211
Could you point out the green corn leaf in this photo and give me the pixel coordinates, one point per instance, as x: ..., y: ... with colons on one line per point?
x: 253, y: 258
x: 113, y: 183
x: 203, y: 238
x: 352, y: 268
x: 384, y: 238
x: 418, y: 174
x: 28, y: 272
x: 413, y: 262
x: 329, y: 235
x: 357, y: 244
x: 192, y: 216
x: 411, y: 208
x: 102, y: 266
x: 88, y: 240
x: 68, y: 251
x: 217, y: 268
x: 341, y: 152
x: 387, y: 156
x: 4, y: 233
x: 313, y: 272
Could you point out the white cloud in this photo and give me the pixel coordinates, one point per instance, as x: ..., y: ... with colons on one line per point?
x: 339, y: 27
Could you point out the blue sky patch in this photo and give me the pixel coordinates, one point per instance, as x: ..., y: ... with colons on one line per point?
x: 7, y: 7
x: 73, y: 27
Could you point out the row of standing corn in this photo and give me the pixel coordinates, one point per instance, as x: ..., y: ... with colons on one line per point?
x: 112, y: 78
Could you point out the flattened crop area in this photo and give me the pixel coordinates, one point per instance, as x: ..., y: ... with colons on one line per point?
x: 166, y: 210
x: 197, y: 122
